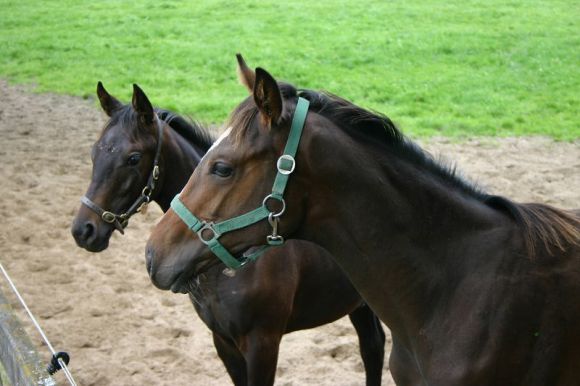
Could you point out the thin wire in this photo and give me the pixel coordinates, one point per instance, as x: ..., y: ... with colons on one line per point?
x: 65, y: 369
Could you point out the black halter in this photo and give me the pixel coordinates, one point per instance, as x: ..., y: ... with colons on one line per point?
x: 120, y: 221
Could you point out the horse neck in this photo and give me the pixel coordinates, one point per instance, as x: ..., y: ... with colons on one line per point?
x: 179, y: 158
x: 394, y: 229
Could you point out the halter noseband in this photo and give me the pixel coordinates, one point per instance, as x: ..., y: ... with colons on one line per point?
x: 285, y: 165
x: 120, y: 221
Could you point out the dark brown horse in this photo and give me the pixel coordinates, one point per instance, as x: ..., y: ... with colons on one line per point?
x: 476, y: 289
x: 291, y: 288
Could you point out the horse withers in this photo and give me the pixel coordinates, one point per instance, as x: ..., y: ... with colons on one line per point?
x: 145, y: 154
x: 476, y: 289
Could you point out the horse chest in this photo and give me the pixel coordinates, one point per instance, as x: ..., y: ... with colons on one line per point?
x: 218, y: 303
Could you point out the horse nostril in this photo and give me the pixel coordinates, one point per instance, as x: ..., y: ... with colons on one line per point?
x: 88, y: 230
x: 149, y: 258
x: 83, y: 231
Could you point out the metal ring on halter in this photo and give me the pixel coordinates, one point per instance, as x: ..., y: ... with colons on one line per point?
x: 278, y: 214
x: 108, y: 217
x: 146, y: 193
x: 208, y: 226
x: 286, y: 157
x: 123, y: 220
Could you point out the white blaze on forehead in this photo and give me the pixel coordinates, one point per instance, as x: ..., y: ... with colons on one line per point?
x: 217, y: 142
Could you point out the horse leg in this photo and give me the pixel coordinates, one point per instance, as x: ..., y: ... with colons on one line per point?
x: 232, y: 359
x: 371, y: 343
x: 403, y: 367
x: 261, y: 353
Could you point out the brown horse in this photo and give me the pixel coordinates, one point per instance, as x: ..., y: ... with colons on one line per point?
x: 291, y: 288
x: 476, y: 289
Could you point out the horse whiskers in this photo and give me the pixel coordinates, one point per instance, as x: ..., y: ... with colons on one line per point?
x: 194, y: 289
x: 193, y: 298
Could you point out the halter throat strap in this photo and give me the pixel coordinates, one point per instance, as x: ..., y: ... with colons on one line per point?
x: 120, y: 221
x: 285, y: 165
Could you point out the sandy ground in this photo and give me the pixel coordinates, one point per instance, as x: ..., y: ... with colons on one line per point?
x: 102, y: 308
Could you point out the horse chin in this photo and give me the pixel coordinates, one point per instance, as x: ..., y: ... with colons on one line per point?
x: 97, y: 247
x: 179, y: 288
x: 98, y: 244
x: 186, y: 281
x: 202, y: 264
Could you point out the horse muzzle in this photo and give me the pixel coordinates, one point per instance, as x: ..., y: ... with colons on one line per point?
x: 89, y: 235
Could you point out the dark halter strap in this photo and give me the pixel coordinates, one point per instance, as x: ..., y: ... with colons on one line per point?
x: 120, y: 221
x: 285, y: 165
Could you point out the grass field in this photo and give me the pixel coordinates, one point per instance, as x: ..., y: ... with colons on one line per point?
x: 453, y: 68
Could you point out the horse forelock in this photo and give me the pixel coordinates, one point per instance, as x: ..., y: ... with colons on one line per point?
x: 243, y: 118
x: 124, y: 118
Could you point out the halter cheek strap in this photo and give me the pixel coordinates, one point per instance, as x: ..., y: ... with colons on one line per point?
x: 120, y: 221
x: 209, y: 232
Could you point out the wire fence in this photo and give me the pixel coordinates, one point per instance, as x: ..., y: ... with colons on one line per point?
x: 18, y: 356
x: 17, y: 353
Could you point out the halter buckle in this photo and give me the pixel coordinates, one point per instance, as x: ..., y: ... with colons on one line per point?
x: 108, y: 217
x: 211, y: 227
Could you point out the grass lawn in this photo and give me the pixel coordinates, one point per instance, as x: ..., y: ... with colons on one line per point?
x: 452, y: 68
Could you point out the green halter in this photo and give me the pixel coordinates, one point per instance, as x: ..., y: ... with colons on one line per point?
x: 286, y: 164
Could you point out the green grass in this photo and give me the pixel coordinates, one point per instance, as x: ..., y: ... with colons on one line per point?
x: 453, y: 68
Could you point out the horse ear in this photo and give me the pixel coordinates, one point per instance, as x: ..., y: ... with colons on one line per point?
x: 142, y: 105
x: 245, y: 74
x: 267, y: 96
x: 108, y: 102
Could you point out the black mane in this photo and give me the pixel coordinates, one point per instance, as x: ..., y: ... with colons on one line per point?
x: 378, y: 129
x: 192, y: 131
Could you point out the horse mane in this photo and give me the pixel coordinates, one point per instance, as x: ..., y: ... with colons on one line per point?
x: 543, y: 225
x: 539, y: 223
x: 192, y: 131
x: 379, y: 130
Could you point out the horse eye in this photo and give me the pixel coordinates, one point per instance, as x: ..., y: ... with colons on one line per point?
x: 134, y: 159
x: 221, y: 169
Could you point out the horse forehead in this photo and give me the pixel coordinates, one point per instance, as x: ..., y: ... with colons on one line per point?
x: 107, y: 147
x: 109, y: 144
x: 223, y: 136
x: 113, y: 141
